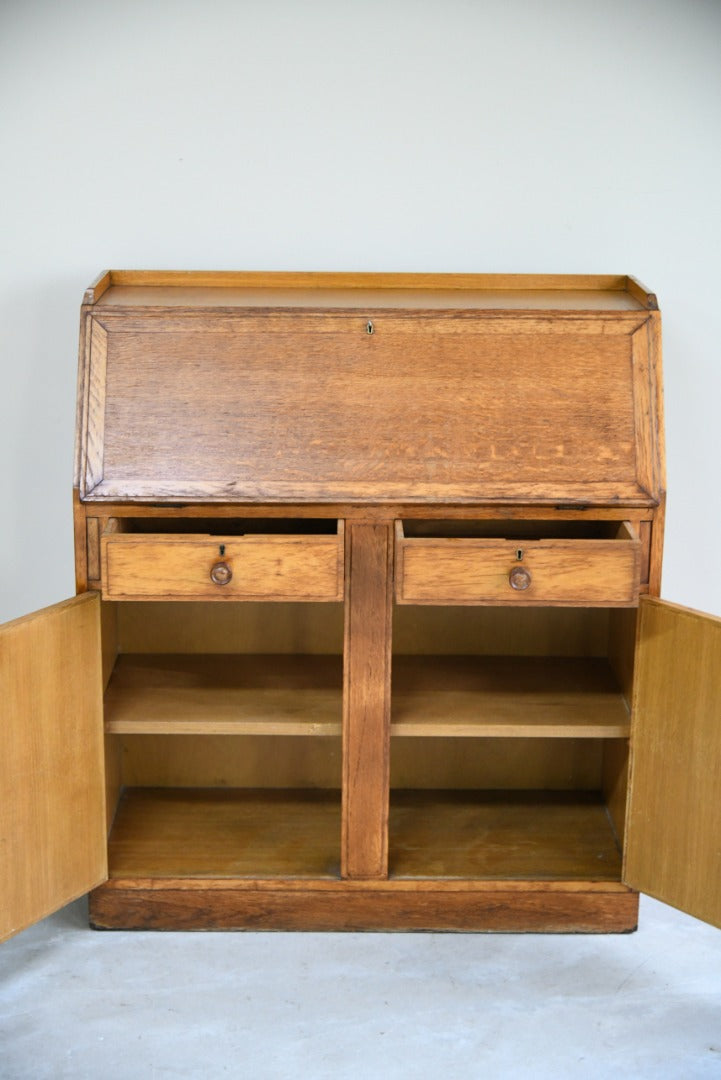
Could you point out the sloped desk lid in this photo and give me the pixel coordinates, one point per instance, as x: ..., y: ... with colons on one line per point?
x: 368, y: 389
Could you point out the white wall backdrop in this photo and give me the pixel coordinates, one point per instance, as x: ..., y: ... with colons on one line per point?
x: 378, y: 134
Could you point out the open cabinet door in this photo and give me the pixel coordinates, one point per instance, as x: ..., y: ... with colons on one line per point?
x: 52, y: 836
x: 673, y: 843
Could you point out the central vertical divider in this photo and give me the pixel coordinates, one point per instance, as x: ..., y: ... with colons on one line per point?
x: 367, y: 699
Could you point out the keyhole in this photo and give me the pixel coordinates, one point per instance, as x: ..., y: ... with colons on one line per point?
x: 221, y: 549
x: 519, y: 554
x: 369, y: 327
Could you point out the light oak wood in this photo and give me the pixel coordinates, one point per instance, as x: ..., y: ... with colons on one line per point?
x: 291, y: 511
x: 558, y: 571
x: 674, y: 822
x: 179, y: 567
x: 614, y: 784
x: 367, y: 700
x: 301, y: 695
x: 92, y: 454
x: 220, y: 694
x: 295, y: 761
x: 225, y: 288
x: 473, y: 439
x: 490, y: 631
x: 231, y: 761
x: 52, y: 840
x: 507, y: 697
x: 644, y: 296
x: 473, y: 763
x: 161, y: 833
x: 435, y: 401
x: 112, y: 750
x: 93, y: 540
x: 561, y: 835
x: 207, y: 627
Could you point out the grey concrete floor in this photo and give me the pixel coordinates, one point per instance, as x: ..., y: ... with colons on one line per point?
x: 81, y: 1004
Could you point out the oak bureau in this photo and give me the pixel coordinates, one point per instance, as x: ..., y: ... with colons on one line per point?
x: 367, y: 631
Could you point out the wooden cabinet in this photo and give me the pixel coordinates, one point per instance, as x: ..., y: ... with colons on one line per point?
x: 367, y: 632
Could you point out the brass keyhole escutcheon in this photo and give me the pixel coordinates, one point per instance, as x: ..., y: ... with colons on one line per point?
x: 519, y: 578
x: 221, y: 573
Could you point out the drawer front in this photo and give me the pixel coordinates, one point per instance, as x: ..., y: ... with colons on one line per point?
x: 158, y: 567
x: 561, y: 572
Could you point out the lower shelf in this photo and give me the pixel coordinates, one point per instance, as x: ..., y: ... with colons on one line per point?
x: 263, y: 833
x: 188, y: 832
x: 266, y: 859
x: 537, y: 835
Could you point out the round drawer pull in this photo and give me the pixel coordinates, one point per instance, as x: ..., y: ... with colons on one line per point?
x: 519, y: 578
x: 221, y: 573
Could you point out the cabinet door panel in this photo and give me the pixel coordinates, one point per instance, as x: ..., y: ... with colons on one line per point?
x: 52, y: 838
x: 674, y: 824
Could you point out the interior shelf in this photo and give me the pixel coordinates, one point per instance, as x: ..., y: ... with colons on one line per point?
x: 250, y: 833
x: 225, y: 694
x: 302, y: 695
x: 507, y: 696
x: 537, y: 835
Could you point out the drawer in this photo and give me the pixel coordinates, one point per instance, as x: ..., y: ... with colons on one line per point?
x: 198, y: 566
x: 589, y: 564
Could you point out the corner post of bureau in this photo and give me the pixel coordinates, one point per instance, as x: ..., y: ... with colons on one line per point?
x: 366, y: 699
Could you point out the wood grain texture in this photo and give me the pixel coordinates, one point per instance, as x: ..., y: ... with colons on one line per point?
x: 473, y: 763
x: 93, y: 547
x: 207, y: 627
x: 147, y: 512
x: 52, y: 842
x: 178, y: 567
x: 215, y: 694
x: 227, y: 288
x: 473, y: 571
x: 98, y: 286
x: 176, y: 833
x: 674, y: 822
x: 477, y: 630
x: 614, y: 784
x: 469, y: 434
x: 80, y: 536
x: 644, y: 295
x: 366, y: 700
x: 647, y: 397
x: 501, y: 906
x: 81, y: 400
x: 296, y: 761
x: 231, y: 761
x: 507, y: 697
x: 94, y: 410
x: 301, y: 695
x: 527, y: 835
x: 531, y: 397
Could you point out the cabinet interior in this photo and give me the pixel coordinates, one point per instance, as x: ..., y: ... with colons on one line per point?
x: 213, y: 526
x: 509, y: 748
x: 513, y: 529
x: 509, y: 733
